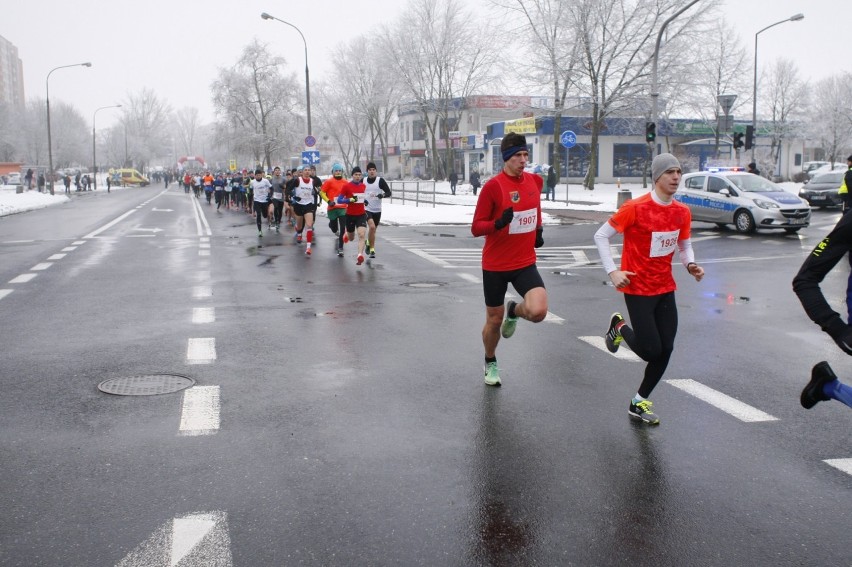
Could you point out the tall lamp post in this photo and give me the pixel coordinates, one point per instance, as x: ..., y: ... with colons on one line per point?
x: 794, y: 18
x: 49, y: 144
x: 94, y: 149
x: 654, y: 86
x: 266, y: 16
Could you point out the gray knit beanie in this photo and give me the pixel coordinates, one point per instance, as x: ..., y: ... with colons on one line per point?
x: 661, y: 164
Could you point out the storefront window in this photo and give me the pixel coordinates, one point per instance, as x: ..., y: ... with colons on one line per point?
x: 628, y: 160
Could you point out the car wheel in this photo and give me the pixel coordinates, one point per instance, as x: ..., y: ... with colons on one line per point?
x: 793, y: 230
x: 744, y: 222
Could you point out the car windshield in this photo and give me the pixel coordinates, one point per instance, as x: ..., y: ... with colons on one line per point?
x: 753, y: 183
x: 835, y: 177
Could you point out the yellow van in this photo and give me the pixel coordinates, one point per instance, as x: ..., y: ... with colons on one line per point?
x: 126, y: 177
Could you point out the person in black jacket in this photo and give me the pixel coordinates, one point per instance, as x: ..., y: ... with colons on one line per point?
x: 824, y: 384
x: 454, y: 179
x: 475, y: 181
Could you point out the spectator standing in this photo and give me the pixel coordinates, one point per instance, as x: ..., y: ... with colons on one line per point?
x: 552, y: 180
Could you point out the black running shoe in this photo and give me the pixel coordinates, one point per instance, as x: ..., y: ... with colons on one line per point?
x: 613, y: 335
x: 821, y: 374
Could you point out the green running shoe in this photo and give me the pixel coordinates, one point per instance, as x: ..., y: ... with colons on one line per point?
x: 613, y: 336
x: 492, y: 374
x: 642, y: 410
x: 507, y: 329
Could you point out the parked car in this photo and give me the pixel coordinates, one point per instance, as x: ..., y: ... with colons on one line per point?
x: 742, y: 199
x: 821, y: 191
x: 828, y: 168
x: 130, y: 177
x: 14, y: 178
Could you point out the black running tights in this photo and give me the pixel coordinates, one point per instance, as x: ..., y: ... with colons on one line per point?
x: 651, y: 334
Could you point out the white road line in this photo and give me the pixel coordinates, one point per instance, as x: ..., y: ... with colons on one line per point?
x: 470, y: 277
x: 203, y: 315
x: 623, y: 353
x: 552, y: 318
x: 204, y: 252
x: 23, y: 278
x: 5, y: 292
x: 57, y: 256
x: 199, y: 539
x: 201, y: 291
x: 200, y: 412
x: 842, y: 464
x: 110, y: 224
x: 727, y: 404
x: 201, y: 351
x: 40, y: 267
x: 78, y: 242
x: 204, y: 245
x: 68, y: 249
x: 204, y: 239
x: 200, y: 219
x: 427, y: 256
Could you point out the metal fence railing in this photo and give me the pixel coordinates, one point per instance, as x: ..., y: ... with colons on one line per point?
x: 419, y: 191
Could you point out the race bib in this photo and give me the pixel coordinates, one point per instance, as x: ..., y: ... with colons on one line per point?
x: 663, y: 243
x: 278, y: 196
x: 524, y: 221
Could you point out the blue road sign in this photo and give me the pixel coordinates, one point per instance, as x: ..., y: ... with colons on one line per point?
x: 310, y: 141
x: 310, y: 157
x: 568, y: 139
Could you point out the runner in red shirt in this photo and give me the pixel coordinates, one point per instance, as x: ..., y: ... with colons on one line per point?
x: 508, y: 215
x: 653, y: 225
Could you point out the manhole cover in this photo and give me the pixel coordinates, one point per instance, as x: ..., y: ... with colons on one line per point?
x: 146, y: 385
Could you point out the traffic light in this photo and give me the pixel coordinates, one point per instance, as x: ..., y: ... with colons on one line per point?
x: 749, y: 137
x: 650, y: 132
x: 738, y: 140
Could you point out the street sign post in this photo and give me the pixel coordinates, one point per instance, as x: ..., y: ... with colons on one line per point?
x: 568, y: 139
x: 310, y: 157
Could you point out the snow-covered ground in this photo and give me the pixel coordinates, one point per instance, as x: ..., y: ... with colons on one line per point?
x: 453, y: 209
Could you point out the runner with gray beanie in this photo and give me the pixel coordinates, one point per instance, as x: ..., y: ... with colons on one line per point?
x: 653, y: 225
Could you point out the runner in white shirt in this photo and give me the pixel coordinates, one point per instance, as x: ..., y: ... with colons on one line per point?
x: 261, y: 187
x: 303, y: 197
x: 377, y: 189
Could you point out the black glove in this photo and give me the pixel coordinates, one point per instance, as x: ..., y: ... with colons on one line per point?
x: 380, y: 196
x: 354, y: 199
x: 366, y: 203
x: 539, y: 238
x: 842, y: 335
x: 504, y: 219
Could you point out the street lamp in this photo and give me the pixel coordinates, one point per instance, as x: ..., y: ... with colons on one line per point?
x: 654, y: 88
x: 794, y: 18
x: 266, y: 16
x: 49, y: 146
x: 94, y: 154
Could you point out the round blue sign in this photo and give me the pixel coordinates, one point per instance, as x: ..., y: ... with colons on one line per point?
x: 310, y: 141
x: 568, y: 139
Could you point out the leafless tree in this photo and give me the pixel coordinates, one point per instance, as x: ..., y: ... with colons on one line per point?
x: 256, y: 105
x: 186, y: 128
x: 616, y: 41
x: 829, y: 115
x: 440, y: 58
x: 783, y: 101
x: 552, y: 57
x: 145, y: 118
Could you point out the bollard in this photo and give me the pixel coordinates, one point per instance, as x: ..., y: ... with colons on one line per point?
x: 623, y: 196
x: 19, y: 189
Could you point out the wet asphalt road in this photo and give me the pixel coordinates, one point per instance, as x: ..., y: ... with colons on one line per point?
x: 352, y: 424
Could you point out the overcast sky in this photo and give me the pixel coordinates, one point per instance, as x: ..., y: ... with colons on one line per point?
x: 176, y: 46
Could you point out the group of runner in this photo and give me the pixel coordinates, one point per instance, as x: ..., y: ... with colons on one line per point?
x: 654, y: 227
x: 354, y: 206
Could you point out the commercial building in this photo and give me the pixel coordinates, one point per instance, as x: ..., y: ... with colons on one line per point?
x: 11, y: 75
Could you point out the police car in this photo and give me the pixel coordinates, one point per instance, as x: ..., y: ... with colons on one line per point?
x: 730, y: 195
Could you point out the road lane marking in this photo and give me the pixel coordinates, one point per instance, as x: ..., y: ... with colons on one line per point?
x: 600, y: 344
x: 68, y: 249
x: 78, y: 242
x: 200, y: 411
x: 727, y: 404
x: 57, y: 256
x: 42, y: 266
x: 110, y: 224
x: 194, y: 540
x: 204, y: 252
x: 201, y: 350
x: 470, y: 277
x: 23, y: 278
x: 5, y: 292
x: 200, y: 219
x: 204, y: 315
x: 844, y: 465
x: 200, y: 291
